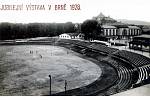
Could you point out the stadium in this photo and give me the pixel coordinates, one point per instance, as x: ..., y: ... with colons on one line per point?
x: 77, y: 68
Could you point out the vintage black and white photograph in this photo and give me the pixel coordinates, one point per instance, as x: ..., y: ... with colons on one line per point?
x: 74, y: 48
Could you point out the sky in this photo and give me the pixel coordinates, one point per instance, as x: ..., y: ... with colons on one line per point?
x: 117, y: 9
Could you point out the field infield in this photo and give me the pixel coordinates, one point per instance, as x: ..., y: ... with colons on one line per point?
x: 25, y: 69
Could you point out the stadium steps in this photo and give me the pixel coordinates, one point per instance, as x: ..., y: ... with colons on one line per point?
x: 144, y: 73
x: 136, y: 59
x: 124, y: 76
x: 121, y: 61
x: 126, y: 79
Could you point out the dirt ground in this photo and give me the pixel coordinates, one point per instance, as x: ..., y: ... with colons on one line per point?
x: 24, y: 69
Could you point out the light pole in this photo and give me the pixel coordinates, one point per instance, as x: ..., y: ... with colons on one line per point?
x: 50, y: 84
x: 65, y: 86
x: 149, y: 50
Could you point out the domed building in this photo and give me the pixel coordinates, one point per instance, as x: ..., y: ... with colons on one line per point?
x: 102, y: 19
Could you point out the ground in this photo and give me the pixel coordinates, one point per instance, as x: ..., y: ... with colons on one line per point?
x: 25, y: 69
x: 140, y: 91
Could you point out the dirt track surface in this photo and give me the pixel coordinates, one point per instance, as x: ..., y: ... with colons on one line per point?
x: 24, y: 69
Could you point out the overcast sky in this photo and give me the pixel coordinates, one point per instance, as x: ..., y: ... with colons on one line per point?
x: 117, y: 9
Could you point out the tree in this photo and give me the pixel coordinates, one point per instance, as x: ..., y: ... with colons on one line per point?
x: 21, y: 31
x: 69, y: 27
x: 5, y: 31
x: 91, y: 29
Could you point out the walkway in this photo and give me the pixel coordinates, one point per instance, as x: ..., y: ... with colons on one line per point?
x: 140, y: 91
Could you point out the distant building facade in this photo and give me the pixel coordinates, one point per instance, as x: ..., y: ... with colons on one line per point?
x: 71, y: 36
x: 109, y: 30
x: 117, y: 30
x: 120, y: 31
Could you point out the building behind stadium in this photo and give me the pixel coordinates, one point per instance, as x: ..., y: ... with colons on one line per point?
x: 117, y: 30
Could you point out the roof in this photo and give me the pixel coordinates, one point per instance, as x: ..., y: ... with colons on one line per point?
x: 109, y: 18
x: 108, y: 26
x: 119, y: 25
x: 101, y: 15
x: 143, y: 36
x: 133, y: 27
x: 72, y: 34
x: 104, y: 19
x: 146, y: 28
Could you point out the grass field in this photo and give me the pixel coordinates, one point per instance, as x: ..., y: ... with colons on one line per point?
x: 24, y: 69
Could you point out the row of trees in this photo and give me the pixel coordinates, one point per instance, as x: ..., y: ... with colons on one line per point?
x: 16, y: 31
x: 90, y: 28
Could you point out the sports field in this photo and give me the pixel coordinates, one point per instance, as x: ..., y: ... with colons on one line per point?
x: 24, y: 69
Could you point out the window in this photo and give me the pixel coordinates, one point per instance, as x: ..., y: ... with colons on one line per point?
x: 109, y: 32
x: 106, y: 32
x: 113, y: 31
x: 132, y: 31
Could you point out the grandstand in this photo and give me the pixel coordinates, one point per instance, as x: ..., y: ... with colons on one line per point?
x: 136, y: 59
x: 131, y: 69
